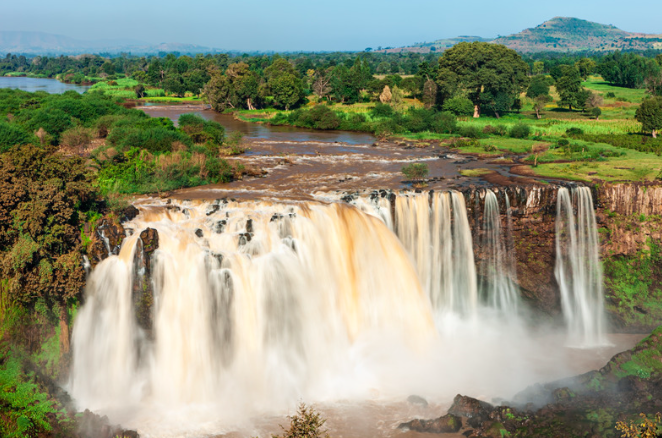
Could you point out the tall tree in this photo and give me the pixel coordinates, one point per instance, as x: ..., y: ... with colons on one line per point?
x: 649, y: 114
x: 481, y: 70
x: 569, y: 87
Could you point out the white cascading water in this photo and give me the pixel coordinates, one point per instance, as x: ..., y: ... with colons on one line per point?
x: 578, y: 270
x: 258, y: 306
x: 435, y: 231
x: 498, y: 285
x: 274, y: 305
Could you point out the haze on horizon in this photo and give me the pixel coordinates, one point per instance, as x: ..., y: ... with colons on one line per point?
x: 299, y: 25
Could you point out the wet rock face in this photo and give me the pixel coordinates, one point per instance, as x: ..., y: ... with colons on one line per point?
x: 143, y: 286
x: 106, y: 239
x: 150, y: 239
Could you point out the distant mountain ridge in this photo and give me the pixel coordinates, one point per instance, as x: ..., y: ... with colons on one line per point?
x: 42, y: 43
x: 560, y: 34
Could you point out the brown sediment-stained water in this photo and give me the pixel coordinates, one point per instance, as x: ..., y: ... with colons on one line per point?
x: 301, y: 162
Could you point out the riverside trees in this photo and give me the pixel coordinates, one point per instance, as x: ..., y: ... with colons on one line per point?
x: 490, y: 75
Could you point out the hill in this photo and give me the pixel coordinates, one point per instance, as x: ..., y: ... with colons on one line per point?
x: 565, y: 34
x: 560, y: 34
x: 42, y: 43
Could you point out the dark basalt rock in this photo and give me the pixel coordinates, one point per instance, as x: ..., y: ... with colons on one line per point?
x: 129, y: 213
x: 417, y: 400
x: 447, y: 424
x: 150, y: 239
x: 219, y: 226
x: 475, y: 410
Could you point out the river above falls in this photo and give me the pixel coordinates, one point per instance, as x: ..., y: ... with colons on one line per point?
x: 259, y: 130
x: 52, y: 86
x: 296, y: 163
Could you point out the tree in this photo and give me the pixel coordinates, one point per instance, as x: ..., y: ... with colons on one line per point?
x: 649, y: 114
x: 585, y: 67
x: 217, y: 91
x: 430, y: 93
x: 321, y: 81
x: 538, y: 68
x: 397, y: 98
x: 539, y: 103
x: 569, y: 87
x: 459, y: 105
x: 42, y: 195
x: 385, y: 96
x: 594, y: 100
x: 538, y: 87
x: 140, y: 91
x: 478, y: 68
x: 284, y: 83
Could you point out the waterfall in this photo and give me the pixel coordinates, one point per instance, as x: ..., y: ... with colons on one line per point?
x: 435, y: 231
x: 578, y: 271
x: 498, y: 285
x: 252, y: 302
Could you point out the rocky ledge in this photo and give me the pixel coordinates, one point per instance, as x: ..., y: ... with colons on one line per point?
x: 589, y: 405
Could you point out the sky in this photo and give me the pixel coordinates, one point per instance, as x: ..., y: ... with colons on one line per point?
x: 310, y: 25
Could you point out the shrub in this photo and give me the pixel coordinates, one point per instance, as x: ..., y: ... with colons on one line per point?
x: 53, y: 121
x: 574, y: 131
x: 153, y: 139
x: 471, y: 132
x: 201, y: 130
x: 319, y: 117
x: 610, y: 95
x: 520, y: 131
x: 415, y: 171
x: 444, y: 123
x: 382, y: 110
x: 459, y: 106
x: 306, y: 423
x: 76, y: 137
x: 12, y: 135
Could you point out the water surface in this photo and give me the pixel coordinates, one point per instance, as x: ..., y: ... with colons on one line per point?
x: 52, y: 86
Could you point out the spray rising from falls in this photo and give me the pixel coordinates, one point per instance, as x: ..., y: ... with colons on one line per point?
x: 498, y: 285
x: 578, y: 271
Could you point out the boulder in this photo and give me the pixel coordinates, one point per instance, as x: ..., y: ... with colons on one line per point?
x: 446, y: 424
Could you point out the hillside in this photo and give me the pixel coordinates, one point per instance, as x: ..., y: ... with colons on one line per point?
x: 563, y: 34
x: 434, y: 46
x: 560, y: 34
x: 41, y: 43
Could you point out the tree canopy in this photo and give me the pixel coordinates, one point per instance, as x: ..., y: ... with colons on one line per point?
x: 488, y: 73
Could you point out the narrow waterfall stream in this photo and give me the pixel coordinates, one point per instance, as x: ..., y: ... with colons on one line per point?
x: 578, y: 271
x: 260, y: 305
x: 498, y: 286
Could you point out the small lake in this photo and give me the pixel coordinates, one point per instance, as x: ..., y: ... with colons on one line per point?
x: 52, y: 86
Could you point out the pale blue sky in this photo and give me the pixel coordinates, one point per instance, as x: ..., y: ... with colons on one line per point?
x: 311, y: 24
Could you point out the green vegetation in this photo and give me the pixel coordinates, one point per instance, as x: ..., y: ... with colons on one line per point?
x: 634, y: 282
x: 475, y: 172
x: 415, y: 171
